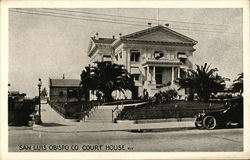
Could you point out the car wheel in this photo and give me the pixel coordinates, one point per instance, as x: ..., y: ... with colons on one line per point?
x: 209, y: 122
x: 240, y: 124
x: 197, y: 125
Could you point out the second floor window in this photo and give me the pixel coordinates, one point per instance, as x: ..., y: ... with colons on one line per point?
x: 183, y: 60
x: 135, y: 55
x: 182, y: 56
x: 158, y: 54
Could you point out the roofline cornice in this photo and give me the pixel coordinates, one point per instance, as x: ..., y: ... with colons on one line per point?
x: 159, y: 26
x: 158, y: 42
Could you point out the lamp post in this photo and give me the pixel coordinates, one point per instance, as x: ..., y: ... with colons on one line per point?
x: 39, y: 98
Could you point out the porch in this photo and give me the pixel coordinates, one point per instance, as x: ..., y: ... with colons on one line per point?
x: 161, y: 73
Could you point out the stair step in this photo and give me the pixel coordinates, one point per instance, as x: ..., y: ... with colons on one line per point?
x: 100, y: 118
x: 103, y: 114
x: 87, y: 121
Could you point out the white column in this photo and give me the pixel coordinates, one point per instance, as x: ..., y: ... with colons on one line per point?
x: 172, y: 74
x: 129, y: 63
x: 148, y: 76
x: 128, y: 60
x: 153, y: 76
x: 179, y: 72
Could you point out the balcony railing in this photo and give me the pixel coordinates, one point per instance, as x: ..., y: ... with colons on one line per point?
x: 161, y: 60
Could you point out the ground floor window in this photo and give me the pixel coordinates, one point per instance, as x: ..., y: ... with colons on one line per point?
x: 136, y: 77
x: 73, y: 93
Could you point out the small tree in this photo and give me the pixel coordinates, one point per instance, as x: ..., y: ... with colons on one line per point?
x: 44, y: 93
x: 106, y: 77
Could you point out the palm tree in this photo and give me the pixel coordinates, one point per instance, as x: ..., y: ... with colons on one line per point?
x: 187, y: 82
x: 106, y: 77
x: 203, y: 81
x: 238, y: 83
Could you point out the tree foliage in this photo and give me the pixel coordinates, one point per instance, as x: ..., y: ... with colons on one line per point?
x: 43, y: 93
x: 203, y: 81
x: 105, y: 77
x: 238, y: 83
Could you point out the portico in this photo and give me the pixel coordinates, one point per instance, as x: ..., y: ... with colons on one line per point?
x: 160, y: 73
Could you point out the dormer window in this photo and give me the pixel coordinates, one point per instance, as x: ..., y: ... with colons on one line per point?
x: 158, y: 54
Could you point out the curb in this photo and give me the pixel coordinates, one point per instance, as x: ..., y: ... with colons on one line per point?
x: 161, y: 129
x: 155, y: 120
x: 10, y: 128
x: 135, y: 130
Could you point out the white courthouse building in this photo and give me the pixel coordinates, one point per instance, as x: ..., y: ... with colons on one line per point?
x: 156, y: 56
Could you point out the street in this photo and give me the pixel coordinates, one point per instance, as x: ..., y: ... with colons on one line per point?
x: 156, y: 140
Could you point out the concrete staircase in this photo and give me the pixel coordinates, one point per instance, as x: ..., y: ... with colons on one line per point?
x: 103, y: 114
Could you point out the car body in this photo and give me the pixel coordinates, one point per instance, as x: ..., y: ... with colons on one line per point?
x: 221, y: 118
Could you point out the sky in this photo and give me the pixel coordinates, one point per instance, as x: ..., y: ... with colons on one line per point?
x: 48, y: 47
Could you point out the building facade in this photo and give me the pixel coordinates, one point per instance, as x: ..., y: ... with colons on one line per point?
x: 155, y: 56
x: 64, y: 90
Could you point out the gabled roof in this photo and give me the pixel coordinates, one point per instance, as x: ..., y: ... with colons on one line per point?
x: 136, y: 35
x: 64, y: 82
x: 103, y: 40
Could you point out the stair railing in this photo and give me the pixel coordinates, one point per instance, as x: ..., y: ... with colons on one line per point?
x: 114, y: 116
x: 89, y: 111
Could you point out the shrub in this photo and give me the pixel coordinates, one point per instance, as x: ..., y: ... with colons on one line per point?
x: 165, y: 96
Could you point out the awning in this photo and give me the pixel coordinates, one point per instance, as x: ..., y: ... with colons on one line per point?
x: 182, y: 56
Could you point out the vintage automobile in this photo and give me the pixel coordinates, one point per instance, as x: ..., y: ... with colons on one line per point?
x: 224, y: 117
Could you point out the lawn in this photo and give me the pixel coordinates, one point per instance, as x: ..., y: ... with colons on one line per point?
x: 174, y: 109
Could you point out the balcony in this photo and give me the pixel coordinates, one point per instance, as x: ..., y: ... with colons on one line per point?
x: 161, y: 62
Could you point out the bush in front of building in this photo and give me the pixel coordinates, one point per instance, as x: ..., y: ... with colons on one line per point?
x: 165, y: 96
x: 125, y: 101
x: 167, y: 110
x: 238, y: 83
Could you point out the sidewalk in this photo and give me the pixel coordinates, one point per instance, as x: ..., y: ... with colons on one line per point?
x: 106, y: 127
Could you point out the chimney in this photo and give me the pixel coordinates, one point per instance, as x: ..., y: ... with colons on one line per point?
x: 167, y: 25
x: 149, y: 24
x: 113, y: 37
x: 63, y: 77
x: 97, y: 36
